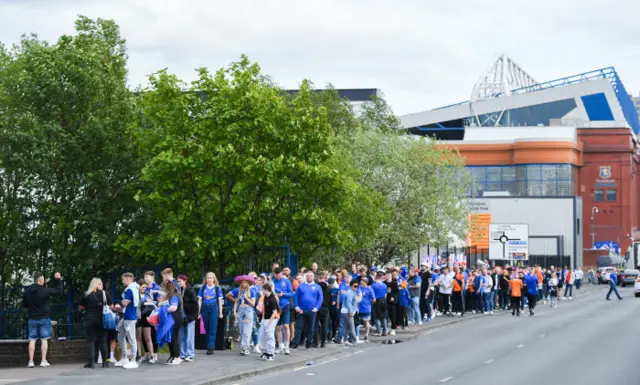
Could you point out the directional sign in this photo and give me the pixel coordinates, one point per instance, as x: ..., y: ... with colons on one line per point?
x: 509, y: 242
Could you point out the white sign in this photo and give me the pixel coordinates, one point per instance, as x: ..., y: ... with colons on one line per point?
x: 477, y: 206
x: 509, y: 242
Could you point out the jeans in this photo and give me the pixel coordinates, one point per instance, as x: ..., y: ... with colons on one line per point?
x: 504, y: 299
x: 188, y: 340
x: 256, y: 327
x: 613, y: 289
x: 414, y: 309
x: 578, y: 283
x: 349, y: 326
x: 127, y: 332
x: 480, y: 302
x: 487, y: 302
x: 268, y: 336
x: 341, y: 327
x: 568, y: 288
x: 305, y: 321
x: 40, y: 329
x: 210, y: 312
x: 245, y: 323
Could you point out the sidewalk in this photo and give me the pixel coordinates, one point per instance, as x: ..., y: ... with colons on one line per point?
x: 224, y: 366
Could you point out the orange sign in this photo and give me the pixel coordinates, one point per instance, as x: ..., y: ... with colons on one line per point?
x: 478, y: 232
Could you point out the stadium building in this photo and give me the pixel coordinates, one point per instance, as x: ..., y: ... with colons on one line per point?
x: 560, y: 156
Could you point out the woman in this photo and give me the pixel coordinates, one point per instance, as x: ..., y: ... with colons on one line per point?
x: 210, y: 302
x: 143, y: 328
x: 188, y: 328
x: 93, y: 303
x: 256, y: 319
x: 175, y: 309
x: 243, y: 311
x: 271, y: 314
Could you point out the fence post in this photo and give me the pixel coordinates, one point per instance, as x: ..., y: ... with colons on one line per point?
x: 69, y: 305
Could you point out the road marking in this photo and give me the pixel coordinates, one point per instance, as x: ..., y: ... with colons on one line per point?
x: 542, y: 335
x: 431, y: 332
x: 310, y: 374
x: 300, y: 368
x: 490, y: 361
x: 519, y: 346
x: 446, y: 379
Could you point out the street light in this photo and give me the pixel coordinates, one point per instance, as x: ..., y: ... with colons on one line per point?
x: 594, y: 211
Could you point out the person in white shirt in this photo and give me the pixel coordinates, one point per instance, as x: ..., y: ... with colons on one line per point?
x: 445, y: 283
x: 578, y: 274
x: 488, y: 292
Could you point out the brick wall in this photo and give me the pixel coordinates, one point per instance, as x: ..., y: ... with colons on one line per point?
x: 15, y: 352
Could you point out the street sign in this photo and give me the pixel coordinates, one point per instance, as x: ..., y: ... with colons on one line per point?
x: 509, y: 242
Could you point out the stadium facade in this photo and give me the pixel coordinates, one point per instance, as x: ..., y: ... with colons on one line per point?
x: 573, y: 137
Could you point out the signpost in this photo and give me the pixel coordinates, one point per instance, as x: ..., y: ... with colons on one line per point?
x: 509, y: 242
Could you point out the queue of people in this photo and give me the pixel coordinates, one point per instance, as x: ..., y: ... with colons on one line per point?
x: 276, y: 312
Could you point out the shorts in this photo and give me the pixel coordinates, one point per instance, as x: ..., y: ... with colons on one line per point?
x: 365, y: 316
x: 112, y: 335
x: 285, y: 318
x: 39, y: 329
x: 143, y: 323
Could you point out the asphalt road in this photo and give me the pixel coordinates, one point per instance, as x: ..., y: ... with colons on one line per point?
x: 585, y: 341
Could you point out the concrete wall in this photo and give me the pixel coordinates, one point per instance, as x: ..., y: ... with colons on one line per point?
x: 548, y: 219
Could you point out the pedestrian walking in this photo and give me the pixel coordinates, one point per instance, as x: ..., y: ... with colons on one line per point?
x: 516, y: 293
x: 532, y: 292
x: 613, y: 284
x: 37, y: 299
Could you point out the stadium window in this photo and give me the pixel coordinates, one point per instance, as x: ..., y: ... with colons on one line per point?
x: 598, y: 195
x: 611, y: 195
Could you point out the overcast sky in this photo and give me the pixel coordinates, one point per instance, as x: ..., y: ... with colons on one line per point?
x: 421, y: 54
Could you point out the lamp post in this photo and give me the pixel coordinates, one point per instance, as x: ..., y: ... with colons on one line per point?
x: 594, y: 211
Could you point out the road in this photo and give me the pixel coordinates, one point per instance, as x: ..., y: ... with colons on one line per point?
x: 585, y: 341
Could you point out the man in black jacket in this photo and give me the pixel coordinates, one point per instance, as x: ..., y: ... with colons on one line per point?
x: 37, y: 298
x: 393, y: 294
x: 322, y: 316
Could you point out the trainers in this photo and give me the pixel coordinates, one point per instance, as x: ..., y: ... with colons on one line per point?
x: 287, y: 351
x: 134, y: 365
x: 152, y: 360
x: 31, y: 365
x: 279, y: 351
x: 347, y: 343
x: 257, y: 350
x: 189, y: 359
x: 45, y: 364
x: 271, y: 358
x: 491, y: 312
x: 245, y: 352
x: 121, y: 363
x: 570, y: 298
x: 392, y: 333
x: 175, y: 361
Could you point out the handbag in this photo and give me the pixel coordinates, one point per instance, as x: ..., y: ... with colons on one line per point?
x: 108, y: 318
x: 202, y: 328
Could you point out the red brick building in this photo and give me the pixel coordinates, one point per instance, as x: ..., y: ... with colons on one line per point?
x: 608, y: 180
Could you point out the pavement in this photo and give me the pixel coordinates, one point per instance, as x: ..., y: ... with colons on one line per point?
x: 576, y: 340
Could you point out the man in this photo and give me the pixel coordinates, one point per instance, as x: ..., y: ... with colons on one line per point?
x: 274, y: 266
x: 425, y: 312
x: 348, y: 311
x: 479, y: 283
x: 127, y: 326
x: 314, y: 269
x: 362, y: 274
x: 445, y: 285
x: 343, y: 290
x: 309, y: 299
x: 393, y: 290
x: 495, y: 277
x: 380, y: 304
x: 167, y: 275
x: 579, y: 274
x: 322, y: 324
x: 488, y: 292
x: 515, y: 284
x: 569, y: 279
x: 284, y: 291
x: 503, y: 278
x: 456, y: 296
x: 531, y: 282
x: 153, y: 289
x: 613, y: 283
x: 414, y: 282
x: 37, y: 299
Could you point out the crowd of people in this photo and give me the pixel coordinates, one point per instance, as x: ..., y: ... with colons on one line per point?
x: 278, y: 311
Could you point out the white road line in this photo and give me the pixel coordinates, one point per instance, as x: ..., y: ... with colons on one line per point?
x: 490, y: 361
x: 519, y: 346
x: 300, y: 368
x: 446, y: 379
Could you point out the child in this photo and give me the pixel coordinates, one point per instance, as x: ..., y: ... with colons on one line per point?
x: 270, y: 317
x: 403, y: 301
x: 553, y: 290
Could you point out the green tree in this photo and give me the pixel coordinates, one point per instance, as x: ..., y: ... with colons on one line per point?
x: 66, y: 111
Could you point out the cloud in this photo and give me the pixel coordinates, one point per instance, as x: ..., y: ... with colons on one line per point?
x: 421, y: 54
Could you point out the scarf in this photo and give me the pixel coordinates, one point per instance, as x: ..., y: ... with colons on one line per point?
x: 135, y: 290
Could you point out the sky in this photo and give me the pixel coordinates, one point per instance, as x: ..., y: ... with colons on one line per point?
x: 420, y: 54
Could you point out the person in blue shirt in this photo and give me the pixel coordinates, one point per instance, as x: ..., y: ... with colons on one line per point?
x: 348, y: 312
x: 343, y: 289
x: 403, y: 301
x: 284, y: 291
x: 531, y: 282
x: 308, y: 301
x: 334, y: 313
x: 211, y: 301
x: 364, y: 308
x: 243, y: 311
x: 478, y: 284
x: 380, y: 304
x: 414, y: 283
x: 613, y: 283
x: 174, y: 299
